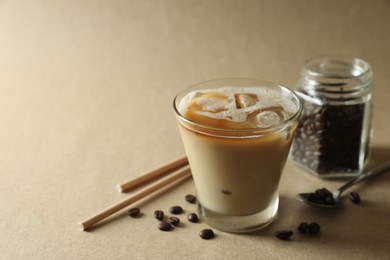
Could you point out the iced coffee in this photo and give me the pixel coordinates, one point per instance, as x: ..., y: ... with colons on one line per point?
x: 237, y: 135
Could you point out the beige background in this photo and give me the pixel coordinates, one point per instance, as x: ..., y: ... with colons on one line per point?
x: 85, y: 103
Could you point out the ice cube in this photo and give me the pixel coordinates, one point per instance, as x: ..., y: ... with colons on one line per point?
x: 213, y: 102
x: 245, y: 100
x: 267, y: 118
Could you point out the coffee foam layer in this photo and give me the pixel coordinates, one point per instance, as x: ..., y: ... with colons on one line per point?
x: 234, y: 103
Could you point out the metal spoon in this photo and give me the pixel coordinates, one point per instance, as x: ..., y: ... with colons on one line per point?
x: 336, y: 201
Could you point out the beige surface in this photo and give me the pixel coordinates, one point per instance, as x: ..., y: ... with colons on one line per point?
x: 85, y: 102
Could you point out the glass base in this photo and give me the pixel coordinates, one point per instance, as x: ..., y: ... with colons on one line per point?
x: 240, y: 224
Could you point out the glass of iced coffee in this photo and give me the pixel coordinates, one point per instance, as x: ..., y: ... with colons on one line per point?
x: 237, y: 134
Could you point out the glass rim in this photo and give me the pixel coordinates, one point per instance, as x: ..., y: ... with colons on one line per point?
x: 350, y: 60
x: 250, y: 130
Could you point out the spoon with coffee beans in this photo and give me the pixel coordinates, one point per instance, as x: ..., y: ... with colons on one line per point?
x: 325, y: 198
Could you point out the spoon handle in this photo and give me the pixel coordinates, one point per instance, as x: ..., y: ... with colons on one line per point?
x: 365, y: 175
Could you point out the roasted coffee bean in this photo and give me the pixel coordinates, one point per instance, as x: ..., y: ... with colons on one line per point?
x: 159, y: 214
x: 303, y: 227
x: 176, y: 210
x: 314, y: 143
x: 134, y: 212
x: 314, y: 228
x: 330, y: 201
x: 190, y: 198
x: 322, y: 196
x: 284, y: 234
x: 174, y: 221
x: 164, y: 226
x: 227, y: 192
x: 354, y: 197
x: 324, y: 192
x: 206, y: 234
x: 193, y: 218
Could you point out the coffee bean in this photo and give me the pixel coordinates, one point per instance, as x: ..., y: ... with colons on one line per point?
x: 354, y: 197
x: 322, y: 196
x: 227, y: 192
x: 193, y: 218
x: 159, y: 214
x: 206, y: 234
x: 330, y: 201
x: 314, y: 228
x: 314, y: 143
x: 190, y: 198
x: 176, y: 210
x: 324, y: 192
x: 174, y: 221
x: 164, y: 226
x: 303, y: 227
x: 284, y: 234
x: 134, y: 212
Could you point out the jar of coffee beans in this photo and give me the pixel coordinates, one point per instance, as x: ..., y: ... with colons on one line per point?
x: 334, y: 131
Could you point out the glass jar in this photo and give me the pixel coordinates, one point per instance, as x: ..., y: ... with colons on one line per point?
x: 334, y: 131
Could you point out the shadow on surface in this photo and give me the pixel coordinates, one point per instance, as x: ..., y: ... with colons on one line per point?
x: 378, y: 156
x: 361, y: 229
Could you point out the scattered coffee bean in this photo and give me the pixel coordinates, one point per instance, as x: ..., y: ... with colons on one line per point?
x: 227, y: 192
x: 314, y: 228
x: 176, y: 210
x: 284, y: 234
x: 174, y: 221
x: 206, y: 234
x: 190, y: 198
x: 193, y: 218
x: 354, y: 197
x: 164, y: 226
x: 303, y: 227
x: 134, y: 212
x: 159, y: 214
